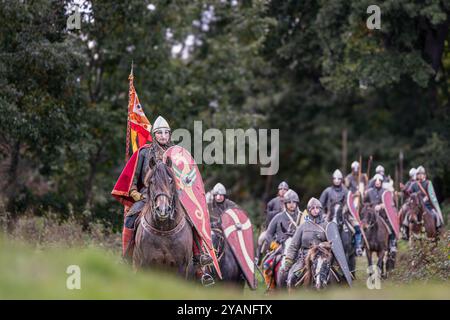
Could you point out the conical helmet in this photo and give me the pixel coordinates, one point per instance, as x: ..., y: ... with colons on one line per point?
x: 313, y: 202
x: 379, y: 169
x: 420, y: 169
x: 160, y: 123
x: 219, y: 189
x: 290, y: 196
x: 283, y: 185
x: 337, y: 174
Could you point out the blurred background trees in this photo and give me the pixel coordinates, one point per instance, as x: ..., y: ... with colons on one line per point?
x: 310, y: 68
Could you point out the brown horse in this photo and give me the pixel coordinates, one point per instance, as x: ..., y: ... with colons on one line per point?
x: 377, y: 235
x: 317, y: 270
x: 231, y: 271
x: 420, y: 220
x: 164, y: 236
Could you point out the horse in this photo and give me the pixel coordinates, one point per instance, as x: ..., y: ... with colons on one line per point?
x: 420, y: 219
x: 336, y: 213
x: 377, y: 236
x: 231, y: 271
x: 317, y: 267
x: 164, y: 235
x: 276, y: 259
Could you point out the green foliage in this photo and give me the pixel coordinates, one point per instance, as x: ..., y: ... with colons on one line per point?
x: 27, y: 273
x: 424, y: 261
x: 309, y: 68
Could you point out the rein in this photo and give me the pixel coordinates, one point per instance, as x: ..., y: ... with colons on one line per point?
x: 149, y: 228
x: 220, y: 251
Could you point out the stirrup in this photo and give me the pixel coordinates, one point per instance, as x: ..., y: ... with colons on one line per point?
x: 207, y: 280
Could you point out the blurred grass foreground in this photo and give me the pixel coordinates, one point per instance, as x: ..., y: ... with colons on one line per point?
x: 37, y: 255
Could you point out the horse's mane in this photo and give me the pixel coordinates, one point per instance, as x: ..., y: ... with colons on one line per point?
x: 325, y: 248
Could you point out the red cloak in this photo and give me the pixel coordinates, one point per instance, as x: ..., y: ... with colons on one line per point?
x: 121, y: 190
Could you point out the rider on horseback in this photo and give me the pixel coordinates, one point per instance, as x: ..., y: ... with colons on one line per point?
x: 282, y: 227
x: 148, y: 156
x: 309, y: 233
x: 374, y: 197
x: 285, y: 222
x: 425, y: 188
x: 351, y: 180
x: 406, y: 189
x: 380, y: 171
x: 276, y: 205
x: 337, y: 193
x: 220, y: 203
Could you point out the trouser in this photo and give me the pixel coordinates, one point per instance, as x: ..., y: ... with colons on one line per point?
x: 358, y: 237
x: 355, y: 224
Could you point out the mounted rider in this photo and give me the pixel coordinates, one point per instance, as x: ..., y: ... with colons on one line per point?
x: 133, y: 191
x: 352, y: 179
x: 219, y: 204
x: 285, y: 222
x: 406, y: 191
x: 374, y: 197
x: 282, y: 227
x: 276, y: 205
x: 337, y: 193
x: 426, y: 190
x: 308, y: 234
x: 406, y: 188
x: 387, y: 182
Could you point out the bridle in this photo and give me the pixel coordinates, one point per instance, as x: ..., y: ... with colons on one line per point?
x: 414, y: 209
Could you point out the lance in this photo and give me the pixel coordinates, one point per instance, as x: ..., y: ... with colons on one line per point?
x: 127, y: 145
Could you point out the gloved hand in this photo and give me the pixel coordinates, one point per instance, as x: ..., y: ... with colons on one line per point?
x: 136, y: 195
x: 288, y: 264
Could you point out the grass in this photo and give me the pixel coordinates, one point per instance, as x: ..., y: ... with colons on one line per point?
x: 30, y: 273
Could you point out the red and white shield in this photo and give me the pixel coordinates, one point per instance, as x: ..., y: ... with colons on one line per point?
x: 351, y: 205
x: 238, y: 231
x: 391, y: 211
x: 191, y: 193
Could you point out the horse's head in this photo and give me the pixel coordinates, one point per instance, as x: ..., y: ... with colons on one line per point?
x: 318, y: 261
x: 368, y: 216
x: 162, y: 191
x: 414, y: 208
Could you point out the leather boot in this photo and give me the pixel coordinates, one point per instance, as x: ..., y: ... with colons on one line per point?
x: 127, y: 244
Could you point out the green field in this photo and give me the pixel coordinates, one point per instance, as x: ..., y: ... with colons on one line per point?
x: 29, y: 273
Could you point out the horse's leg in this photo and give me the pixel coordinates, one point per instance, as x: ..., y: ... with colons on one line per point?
x: 369, y: 260
x: 380, y: 263
x: 411, y: 235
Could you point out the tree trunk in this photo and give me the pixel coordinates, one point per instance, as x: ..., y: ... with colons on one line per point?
x: 11, y: 185
x: 91, y: 177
